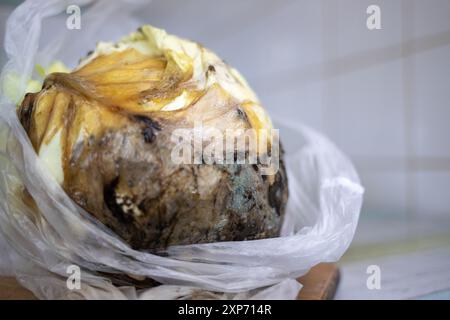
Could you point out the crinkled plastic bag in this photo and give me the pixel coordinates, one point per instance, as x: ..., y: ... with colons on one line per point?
x: 322, y: 212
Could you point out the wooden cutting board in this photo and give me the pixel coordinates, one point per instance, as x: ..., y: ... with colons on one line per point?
x: 318, y: 284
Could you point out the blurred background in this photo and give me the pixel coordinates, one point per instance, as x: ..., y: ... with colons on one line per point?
x: 383, y: 96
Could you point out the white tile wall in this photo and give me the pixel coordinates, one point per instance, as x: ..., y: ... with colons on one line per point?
x: 432, y: 102
x: 365, y: 111
x: 302, y: 103
x: 352, y: 33
x: 433, y: 193
x: 430, y: 17
x: 386, y: 193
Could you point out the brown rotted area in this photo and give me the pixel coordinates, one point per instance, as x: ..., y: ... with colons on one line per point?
x: 126, y: 179
x: 152, y: 204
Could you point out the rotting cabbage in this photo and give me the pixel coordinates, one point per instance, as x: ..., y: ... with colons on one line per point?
x: 105, y: 132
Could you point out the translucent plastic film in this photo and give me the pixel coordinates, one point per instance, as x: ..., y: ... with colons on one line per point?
x: 38, y: 243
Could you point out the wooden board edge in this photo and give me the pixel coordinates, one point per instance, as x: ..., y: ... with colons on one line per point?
x: 320, y: 283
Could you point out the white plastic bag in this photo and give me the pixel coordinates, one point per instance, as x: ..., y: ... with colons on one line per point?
x: 322, y: 212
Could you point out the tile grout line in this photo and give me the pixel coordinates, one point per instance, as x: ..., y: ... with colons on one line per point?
x: 329, y: 92
x: 408, y: 79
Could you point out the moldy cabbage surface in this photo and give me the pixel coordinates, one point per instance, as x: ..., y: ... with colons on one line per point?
x: 104, y: 131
